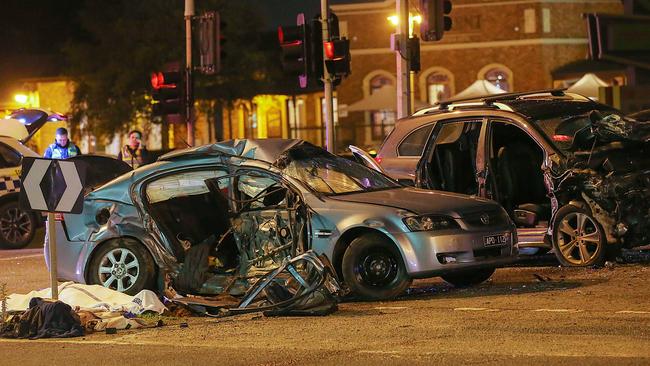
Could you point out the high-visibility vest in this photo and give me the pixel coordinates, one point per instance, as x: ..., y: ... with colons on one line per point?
x: 133, y: 159
x: 60, y: 152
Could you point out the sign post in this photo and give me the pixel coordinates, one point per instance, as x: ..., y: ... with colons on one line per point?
x: 52, y: 186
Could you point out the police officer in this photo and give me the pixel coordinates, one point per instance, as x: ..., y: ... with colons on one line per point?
x: 134, y: 152
x: 62, y: 148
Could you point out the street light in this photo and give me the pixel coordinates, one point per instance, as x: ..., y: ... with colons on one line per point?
x: 413, y: 19
x: 21, y: 98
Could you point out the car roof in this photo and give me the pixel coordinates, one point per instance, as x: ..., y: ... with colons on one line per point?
x: 268, y: 150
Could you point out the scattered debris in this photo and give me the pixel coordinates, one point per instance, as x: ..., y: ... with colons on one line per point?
x: 541, y: 278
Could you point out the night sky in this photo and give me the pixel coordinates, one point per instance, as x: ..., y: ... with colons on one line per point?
x: 34, y: 31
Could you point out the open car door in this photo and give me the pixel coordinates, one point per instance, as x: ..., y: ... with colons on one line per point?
x: 364, y: 158
x: 33, y: 120
x: 101, y: 169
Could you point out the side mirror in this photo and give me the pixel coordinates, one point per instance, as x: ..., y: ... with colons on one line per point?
x: 525, y: 218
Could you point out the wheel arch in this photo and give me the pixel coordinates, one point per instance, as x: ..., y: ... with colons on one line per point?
x: 15, y: 196
x: 103, y: 243
x: 346, y: 239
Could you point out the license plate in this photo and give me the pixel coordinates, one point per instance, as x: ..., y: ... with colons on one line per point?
x: 499, y: 239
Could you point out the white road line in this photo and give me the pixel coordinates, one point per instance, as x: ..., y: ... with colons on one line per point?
x: 632, y: 312
x: 21, y: 257
x: 475, y: 309
x: 391, y: 308
x: 559, y: 310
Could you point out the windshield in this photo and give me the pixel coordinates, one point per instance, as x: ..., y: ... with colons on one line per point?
x: 330, y: 174
x: 570, y: 133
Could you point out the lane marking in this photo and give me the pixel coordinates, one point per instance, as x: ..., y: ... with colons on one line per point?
x: 632, y: 312
x: 559, y: 310
x: 391, y: 307
x: 475, y: 309
x: 22, y: 257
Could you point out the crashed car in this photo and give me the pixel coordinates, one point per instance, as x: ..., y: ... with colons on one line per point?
x: 209, y: 220
x: 573, y: 174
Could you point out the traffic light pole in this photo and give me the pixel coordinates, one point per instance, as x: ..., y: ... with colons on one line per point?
x: 189, y: 84
x: 402, y: 60
x: 327, y: 81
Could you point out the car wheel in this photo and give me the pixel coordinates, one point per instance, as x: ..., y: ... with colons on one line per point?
x: 578, y: 239
x: 470, y: 277
x: 17, y: 227
x: 123, y: 265
x: 373, y: 268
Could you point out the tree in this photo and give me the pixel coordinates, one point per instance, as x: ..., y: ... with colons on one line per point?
x: 126, y: 40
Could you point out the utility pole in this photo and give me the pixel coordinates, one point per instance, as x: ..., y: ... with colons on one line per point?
x: 189, y: 83
x: 402, y: 60
x: 327, y: 81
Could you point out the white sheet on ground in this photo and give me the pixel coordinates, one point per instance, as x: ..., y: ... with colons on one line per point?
x: 92, y: 297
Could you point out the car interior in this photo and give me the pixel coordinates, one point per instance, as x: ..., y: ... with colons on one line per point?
x: 218, y: 236
x: 517, y: 160
x: 453, y: 164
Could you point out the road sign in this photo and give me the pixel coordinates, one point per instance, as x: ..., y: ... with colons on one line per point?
x: 52, y: 185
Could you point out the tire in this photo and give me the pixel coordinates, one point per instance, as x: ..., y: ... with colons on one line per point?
x: 470, y: 277
x: 374, y: 252
x: 17, y: 227
x: 123, y: 265
x: 578, y: 239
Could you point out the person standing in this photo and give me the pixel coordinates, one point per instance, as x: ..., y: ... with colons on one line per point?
x: 134, y: 152
x: 62, y: 148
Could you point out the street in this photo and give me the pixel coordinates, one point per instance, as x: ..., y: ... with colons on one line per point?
x: 523, y: 315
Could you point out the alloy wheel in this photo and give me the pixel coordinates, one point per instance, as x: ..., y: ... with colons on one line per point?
x: 119, y: 269
x: 579, y: 238
x: 15, y: 225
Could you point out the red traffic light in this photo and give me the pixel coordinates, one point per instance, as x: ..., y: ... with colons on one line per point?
x: 329, y: 50
x: 280, y: 35
x: 157, y: 80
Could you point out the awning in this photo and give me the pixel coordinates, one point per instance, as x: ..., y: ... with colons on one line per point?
x: 479, y: 88
x: 382, y: 99
x: 588, y: 86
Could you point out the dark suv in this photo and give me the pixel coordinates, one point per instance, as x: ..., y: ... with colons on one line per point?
x: 573, y: 174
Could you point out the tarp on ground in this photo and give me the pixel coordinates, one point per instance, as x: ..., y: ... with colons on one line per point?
x: 382, y: 99
x: 588, y: 85
x: 479, y: 88
x: 92, y: 297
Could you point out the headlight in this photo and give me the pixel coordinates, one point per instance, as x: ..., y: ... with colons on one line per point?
x: 429, y: 223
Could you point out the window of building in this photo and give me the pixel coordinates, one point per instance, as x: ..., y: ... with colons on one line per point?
x: 438, y: 87
x: 381, y: 122
x: 499, y: 77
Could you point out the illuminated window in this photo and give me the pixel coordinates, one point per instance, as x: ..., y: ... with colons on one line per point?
x: 499, y: 77
x: 438, y: 87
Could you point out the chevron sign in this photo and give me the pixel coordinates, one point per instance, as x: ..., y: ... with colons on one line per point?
x: 52, y: 185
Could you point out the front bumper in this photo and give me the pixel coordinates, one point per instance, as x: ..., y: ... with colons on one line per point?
x: 428, y: 254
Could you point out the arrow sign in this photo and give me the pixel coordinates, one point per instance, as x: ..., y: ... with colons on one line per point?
x: 52, y: 185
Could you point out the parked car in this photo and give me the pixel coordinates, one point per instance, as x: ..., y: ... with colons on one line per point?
x: 573, y: 174
x: 209, y: 219
x: 17, y: 226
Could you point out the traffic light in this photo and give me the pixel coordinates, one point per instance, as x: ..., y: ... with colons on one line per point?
x: 413, y: 47
x: 294, y: 41
x: 435, y: 19
x: 211, y: 42
x: 167, y: 92
x: 337, y: 57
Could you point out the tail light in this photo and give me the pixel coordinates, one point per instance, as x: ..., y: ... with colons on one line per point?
x: 378, y: 159
x: 58, y: 217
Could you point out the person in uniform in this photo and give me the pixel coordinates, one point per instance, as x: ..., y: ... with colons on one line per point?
x: 134, y: 152
x: 62, y: 148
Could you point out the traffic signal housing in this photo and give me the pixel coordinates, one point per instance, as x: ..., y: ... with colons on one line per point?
x: 211, y: 42
x: 435, y: 19
x: 337, y: 57
x: 167, y: 93
x: 295, y: 43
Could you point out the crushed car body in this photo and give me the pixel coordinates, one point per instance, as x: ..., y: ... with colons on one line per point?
x: 212, y: 220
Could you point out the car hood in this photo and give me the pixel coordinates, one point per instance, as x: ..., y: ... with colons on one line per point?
x: 422, y: 201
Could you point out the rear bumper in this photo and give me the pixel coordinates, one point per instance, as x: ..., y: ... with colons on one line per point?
x: 71, y: 256
x: 428, y: 254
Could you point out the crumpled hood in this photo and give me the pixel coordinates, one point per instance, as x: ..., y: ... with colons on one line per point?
x: 422, y: 201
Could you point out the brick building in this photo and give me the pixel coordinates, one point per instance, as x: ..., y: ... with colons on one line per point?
x: 515, y: 44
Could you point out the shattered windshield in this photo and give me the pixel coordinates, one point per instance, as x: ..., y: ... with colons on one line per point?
x: 571, y: 133
x: 330, y: 174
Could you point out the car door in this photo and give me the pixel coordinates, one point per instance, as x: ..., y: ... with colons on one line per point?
x: 453, y: 158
